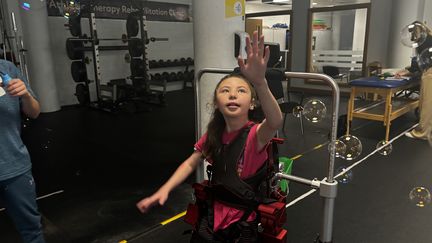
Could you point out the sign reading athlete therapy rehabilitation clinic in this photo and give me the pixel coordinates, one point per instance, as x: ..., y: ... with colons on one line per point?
x: 119, y: 9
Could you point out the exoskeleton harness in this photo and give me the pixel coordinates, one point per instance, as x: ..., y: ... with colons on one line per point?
x: 253, y: 194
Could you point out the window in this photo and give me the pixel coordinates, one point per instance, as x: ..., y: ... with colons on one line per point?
x: 338, y: 41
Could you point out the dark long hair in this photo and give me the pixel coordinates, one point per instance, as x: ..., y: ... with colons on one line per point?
x: 216, y: 125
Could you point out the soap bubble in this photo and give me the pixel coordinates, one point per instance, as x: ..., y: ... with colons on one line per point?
x: 413, y: 35
x: 420, y: 196
x: 353, y: 147
x: 314, y: 110
x: 297, y: 111
x: 70, y: 8
x: 46, y: 145
x: 346, y: 177
x: 339, y: 147
x: 387, y: 149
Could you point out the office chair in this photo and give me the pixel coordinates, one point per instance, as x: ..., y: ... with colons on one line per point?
x: 333, y: 72
x: 274, y: 79
x: 275, y: 60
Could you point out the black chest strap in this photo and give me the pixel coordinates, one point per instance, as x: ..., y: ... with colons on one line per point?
x: 226, y: 184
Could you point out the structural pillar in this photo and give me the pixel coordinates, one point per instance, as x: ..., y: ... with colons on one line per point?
x: 215, y: 24
x: 300, y: 10
x: 39, y: 60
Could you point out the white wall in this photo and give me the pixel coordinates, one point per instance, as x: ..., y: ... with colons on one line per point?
x: 359, y: 29
x: 427, y: 16
x: 403, y: 13
x: 258, y: 7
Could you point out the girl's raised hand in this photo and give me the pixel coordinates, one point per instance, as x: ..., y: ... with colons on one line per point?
x: 257, y: 57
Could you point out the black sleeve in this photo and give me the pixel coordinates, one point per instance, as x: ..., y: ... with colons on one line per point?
x: 414, y: 68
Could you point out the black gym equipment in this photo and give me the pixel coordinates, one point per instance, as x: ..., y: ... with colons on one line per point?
x: 136, y: 47
x: 75, y: 48
x: 82, y: 93
x: 132, y: 25
x: 137, y: 66
x: 136, y: 56
x: 75, y: 25
x: 79, y: 71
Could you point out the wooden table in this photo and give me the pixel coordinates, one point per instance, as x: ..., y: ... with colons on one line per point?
x: 385, y: 109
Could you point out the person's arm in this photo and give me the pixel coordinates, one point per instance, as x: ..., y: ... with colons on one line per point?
x: 182, y: 172
x: 254, y: 70
x: 402, y: 73
x: 29, y: 105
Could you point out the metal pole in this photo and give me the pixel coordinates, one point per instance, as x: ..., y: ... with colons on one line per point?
x: 328, y: 188
x: 313, y: 183
x: 24, y: 60
x: 14, y: 28
x: 3, y: 27
x: 336, y: 98
x: 143, y: 30
x: 95, y: 46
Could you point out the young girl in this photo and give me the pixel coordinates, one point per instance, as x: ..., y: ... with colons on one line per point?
x: 234, y: 97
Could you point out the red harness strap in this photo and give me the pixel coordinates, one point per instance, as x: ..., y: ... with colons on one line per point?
x: 273, y: 216
x: 201, y: 195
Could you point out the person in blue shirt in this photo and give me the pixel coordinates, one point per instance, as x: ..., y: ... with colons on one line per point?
x: 17, y: 187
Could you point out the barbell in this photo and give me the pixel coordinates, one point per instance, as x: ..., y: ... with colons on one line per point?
x: 75, y: 49
x: 85, y: 39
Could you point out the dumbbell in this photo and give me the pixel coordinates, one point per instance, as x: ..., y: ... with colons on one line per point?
x: 176, y: 62
x: 161, y: 63
x: 166, y: 76
x: 180, y: 75
x: 189, y: 61
x: 173, y: 76
x: 153, y: 64
x: 168, y: 63
x: 157, y: 77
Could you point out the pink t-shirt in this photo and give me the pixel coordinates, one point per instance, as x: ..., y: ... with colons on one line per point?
x: 251, y: 162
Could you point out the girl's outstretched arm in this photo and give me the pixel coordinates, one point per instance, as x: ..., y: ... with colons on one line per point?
x: 254, y: 70
x: 182, y: 172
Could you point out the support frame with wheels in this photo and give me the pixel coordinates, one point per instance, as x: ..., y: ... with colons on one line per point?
x: 328, y: 186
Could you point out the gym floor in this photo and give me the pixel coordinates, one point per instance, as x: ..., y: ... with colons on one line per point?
x: 98, y: 165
